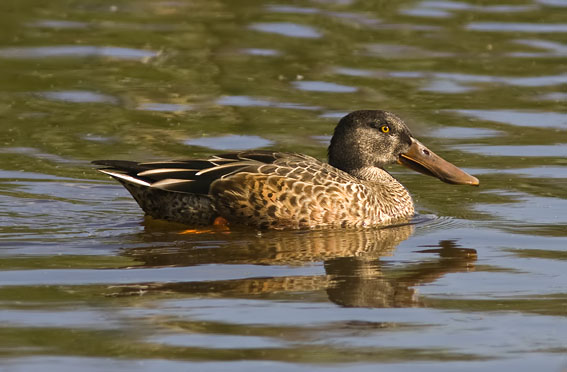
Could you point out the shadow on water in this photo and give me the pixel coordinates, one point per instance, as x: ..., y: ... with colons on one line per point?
x: 354, y: 274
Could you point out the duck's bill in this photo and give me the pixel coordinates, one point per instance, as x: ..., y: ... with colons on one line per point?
x: 421, y: 159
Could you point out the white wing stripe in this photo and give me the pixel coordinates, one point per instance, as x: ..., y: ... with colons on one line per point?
x: 125, y: 177
x: 164, y: 170
x: 169, y: 181
x: 240, y: 164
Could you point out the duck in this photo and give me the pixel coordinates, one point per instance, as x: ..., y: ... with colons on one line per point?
x: 283, y: 190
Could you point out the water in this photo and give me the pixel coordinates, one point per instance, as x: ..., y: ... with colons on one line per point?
x: 86, y: 282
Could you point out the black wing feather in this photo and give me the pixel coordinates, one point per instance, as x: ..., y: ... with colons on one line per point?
x: 193, y: 175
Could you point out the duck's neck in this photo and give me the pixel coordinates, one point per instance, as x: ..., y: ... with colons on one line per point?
x: 373, y: 174
x: 392, y: 197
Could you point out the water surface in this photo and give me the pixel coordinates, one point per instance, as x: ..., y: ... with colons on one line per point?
x: 86, y: 282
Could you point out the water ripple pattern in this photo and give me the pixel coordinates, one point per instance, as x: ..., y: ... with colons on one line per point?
x: 476, y: 281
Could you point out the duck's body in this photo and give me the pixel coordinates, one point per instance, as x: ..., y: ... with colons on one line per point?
x: 264, y: 189
x: 285, y: 190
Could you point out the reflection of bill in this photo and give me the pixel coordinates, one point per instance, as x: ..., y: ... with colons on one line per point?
x: 354, y: 275
x: 358, y: 282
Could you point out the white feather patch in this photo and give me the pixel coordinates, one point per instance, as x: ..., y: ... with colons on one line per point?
x: 164, y: 170
x: 125, y: 177
x: 169, y: 181
x: 239, y: 164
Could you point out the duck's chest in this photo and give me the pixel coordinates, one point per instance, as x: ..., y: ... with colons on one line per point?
x: 384, y: 206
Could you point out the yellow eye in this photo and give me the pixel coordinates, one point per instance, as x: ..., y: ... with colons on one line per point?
x: 385, y: 128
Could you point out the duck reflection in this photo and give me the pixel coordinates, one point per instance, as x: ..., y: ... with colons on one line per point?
x: 354, y: 274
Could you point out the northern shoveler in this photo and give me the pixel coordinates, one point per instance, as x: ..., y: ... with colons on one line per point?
x: 279, y: 190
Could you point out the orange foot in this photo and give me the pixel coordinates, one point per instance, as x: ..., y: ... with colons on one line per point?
x: 219, y: 224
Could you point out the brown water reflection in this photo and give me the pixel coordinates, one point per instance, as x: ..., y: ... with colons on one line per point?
x: 354, y: 274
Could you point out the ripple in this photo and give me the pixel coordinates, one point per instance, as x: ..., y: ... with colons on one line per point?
x: 558, y: 3
x: 519, y: 118
x: 35, y: 153
x: 534, y: 172
x: 58, y: 24
x: 158, y: 27
x: 454, y: 83
x: 291, y: 9
x: 556, y: 96
x: 260, y: 52
x: 461, y: 6
x: 445, y: 82
x: 45, y: 277
x: 78, y: 96
x: 557, y: 150
x: 323, y: 86
x: 401, y: 51
x: 426, y: 12
x: 287, y: 29
x: 553, y: 49
x: 21, y: 175
x: 230, y: 142
x: 335, y: 2
x: 333, y: 115
x: 353, y: 72
x: 528, y: 209
x: 164, y: 107
x: 517, y: 27
x: 447, y: 86
x: 356, y: 18
x: 545, y: 44
x: 535, y: 81
x: 217, y: 341
x: 97, y: 138
x: 323, y: 139
x: 76, y: 51
x: 247, y: 101
x: 56, y: 319
x: 447, y: 5
x: 464, y: 133
x: 407, y: 27
x: 258, y: 312
x: 505, y: 8
x: 431, y: 222
x: 529, y: 81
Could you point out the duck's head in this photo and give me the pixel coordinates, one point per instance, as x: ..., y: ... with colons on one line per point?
x: 373, y: 138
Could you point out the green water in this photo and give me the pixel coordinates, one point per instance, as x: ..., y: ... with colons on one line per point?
x: 87, y: 283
